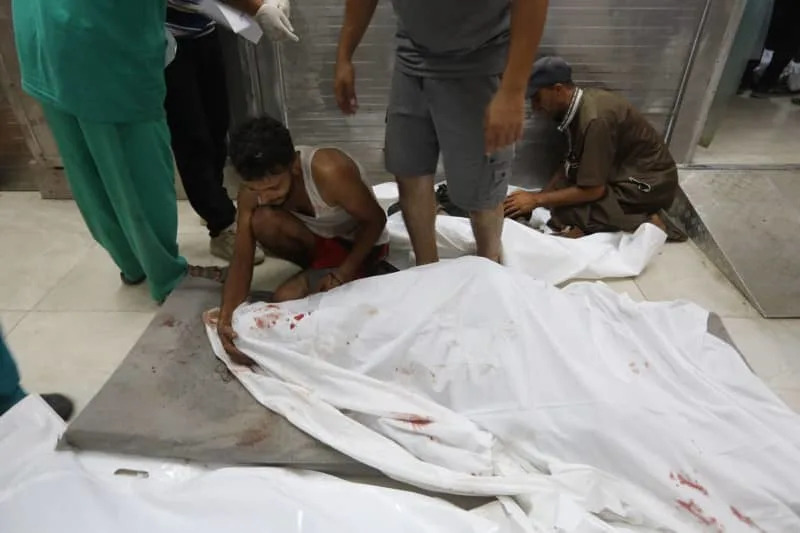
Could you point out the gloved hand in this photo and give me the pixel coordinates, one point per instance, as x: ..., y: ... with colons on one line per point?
x: 273, y: 17
x: 171, y: 48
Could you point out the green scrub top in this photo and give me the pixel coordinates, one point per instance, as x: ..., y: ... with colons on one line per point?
x: 100, y: 60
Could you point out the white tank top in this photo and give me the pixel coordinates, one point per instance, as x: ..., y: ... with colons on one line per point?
x: 328, y: 222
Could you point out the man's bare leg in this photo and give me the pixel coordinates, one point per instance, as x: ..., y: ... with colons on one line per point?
x: 487, y: 226
x: 418, y: 203
x: 294, y: 288
x: 283, y: 235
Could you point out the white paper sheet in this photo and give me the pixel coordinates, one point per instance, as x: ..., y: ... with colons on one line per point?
x: 234, y: 20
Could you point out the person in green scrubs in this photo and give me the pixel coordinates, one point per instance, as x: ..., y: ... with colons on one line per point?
x: 97, y: 68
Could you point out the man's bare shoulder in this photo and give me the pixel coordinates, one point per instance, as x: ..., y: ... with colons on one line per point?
x: 335, y: 173
x: 332, y: 163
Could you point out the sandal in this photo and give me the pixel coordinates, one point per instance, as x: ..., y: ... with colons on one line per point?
x: 213, y: 273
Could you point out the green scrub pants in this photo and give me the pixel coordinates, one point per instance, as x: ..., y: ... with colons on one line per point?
x: 10, y: 391
x: 122, y: 178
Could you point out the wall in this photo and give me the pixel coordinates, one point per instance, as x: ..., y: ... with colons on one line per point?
x: 637, y: 47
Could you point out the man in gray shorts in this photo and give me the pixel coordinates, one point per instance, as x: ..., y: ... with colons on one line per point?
x: 458, y: 88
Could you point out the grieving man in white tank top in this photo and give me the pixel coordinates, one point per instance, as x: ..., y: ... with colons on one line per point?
x: 310, y: 206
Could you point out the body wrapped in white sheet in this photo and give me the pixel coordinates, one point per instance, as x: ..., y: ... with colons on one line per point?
x: 471, y: 378
x: 44, y: 491
x: 540, y: 255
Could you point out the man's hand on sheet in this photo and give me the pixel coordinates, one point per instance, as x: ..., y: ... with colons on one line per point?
x: 521, y: 204
x: 227, y: 336
x: 333, y: 280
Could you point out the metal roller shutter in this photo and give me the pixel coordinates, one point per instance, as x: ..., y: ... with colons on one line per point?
x: 637, y: 47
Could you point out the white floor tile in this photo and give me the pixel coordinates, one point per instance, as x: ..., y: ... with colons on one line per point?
x: 73, y: 352
x: 26, y: 211
x: 94, y: 285
x: 772, y: 347
x: 9, y: 320
x: 755, y: 131
x: 189, y: 221
x: 35, y: 261
x: 43, y: 240
x: 681, y: 272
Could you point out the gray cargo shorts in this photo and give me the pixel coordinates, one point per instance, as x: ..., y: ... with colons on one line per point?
x: 429, y: 115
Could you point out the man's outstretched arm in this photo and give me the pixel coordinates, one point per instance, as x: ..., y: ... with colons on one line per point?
x: 240, y: 276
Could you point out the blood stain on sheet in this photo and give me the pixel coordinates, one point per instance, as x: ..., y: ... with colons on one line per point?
x: 745, y: 519
x: 416, y: 421
x: 273, y: 306
x: 260, y: 323
x: 686, y: 482
x: 697, y: 512
x: 299, y: 317
x: 292, y: 326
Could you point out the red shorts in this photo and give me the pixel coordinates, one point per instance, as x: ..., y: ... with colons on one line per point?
x: 331, y: 253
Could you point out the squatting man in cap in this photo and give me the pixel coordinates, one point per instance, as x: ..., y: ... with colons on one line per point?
x: 617, y: 173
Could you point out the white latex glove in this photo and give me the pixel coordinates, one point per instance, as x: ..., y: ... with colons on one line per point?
x: 284, y: 6
x: 273, y: 17
x: 171, y: 49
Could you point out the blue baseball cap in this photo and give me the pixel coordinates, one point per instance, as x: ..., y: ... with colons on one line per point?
x: 548, y: 71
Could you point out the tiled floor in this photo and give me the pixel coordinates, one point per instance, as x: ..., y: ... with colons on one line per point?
x: 69, y: 321
x: 755, y: 132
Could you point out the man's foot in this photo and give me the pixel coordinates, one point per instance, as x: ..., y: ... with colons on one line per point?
x: 59, y: 403
x: 487, y: 227
x: 131, y: 282
x: 223, y: 244
x: 570, y: 232
x: 663, y: 221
